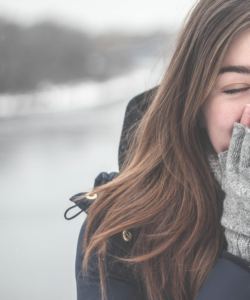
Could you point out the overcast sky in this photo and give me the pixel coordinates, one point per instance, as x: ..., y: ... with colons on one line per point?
x: 100, y: 16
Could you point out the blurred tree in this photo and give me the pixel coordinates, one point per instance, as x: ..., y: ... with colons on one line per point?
x: 52, y: 53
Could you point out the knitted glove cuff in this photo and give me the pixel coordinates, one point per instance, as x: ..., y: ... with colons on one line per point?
x: 235, y: 215
x: 238, y: 244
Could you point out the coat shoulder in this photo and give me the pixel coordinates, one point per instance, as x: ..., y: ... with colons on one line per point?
x: 122, y: 241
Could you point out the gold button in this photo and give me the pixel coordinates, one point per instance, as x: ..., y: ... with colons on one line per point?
x: 127, y: 235
x: 91, y: 197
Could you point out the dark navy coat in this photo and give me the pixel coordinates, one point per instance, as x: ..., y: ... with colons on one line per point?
x: 229, y: 279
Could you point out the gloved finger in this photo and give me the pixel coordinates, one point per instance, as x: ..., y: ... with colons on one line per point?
x: 235, y: 145
x: 245, y: 151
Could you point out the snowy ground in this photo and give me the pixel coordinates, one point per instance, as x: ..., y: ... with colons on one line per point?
x: 87, y: 94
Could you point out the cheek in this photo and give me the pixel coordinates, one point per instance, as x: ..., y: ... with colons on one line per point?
x: 221, y: 117
x: 219, y: 123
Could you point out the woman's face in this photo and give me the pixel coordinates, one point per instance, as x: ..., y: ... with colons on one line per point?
x: 230, y: 94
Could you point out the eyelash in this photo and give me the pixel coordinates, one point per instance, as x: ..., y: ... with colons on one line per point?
x: 235, y: 91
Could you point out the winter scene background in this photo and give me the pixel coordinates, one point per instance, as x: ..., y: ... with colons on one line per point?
x: 67, y: 72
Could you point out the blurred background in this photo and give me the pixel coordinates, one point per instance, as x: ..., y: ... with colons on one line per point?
x: 67, y: 71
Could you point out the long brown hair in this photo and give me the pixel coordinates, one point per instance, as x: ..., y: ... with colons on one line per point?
x: 165, y: 188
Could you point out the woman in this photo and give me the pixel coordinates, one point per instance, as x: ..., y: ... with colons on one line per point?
x: 161, y: 227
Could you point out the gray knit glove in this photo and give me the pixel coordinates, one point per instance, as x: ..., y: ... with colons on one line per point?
x: 235, y: 164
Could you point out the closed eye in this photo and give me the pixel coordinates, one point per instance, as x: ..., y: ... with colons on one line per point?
x: 235, y: 91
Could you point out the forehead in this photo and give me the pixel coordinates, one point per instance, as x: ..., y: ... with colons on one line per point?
x: 238, y: 52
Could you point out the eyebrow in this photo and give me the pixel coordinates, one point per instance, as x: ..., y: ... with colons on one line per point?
x: 236, y: 69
